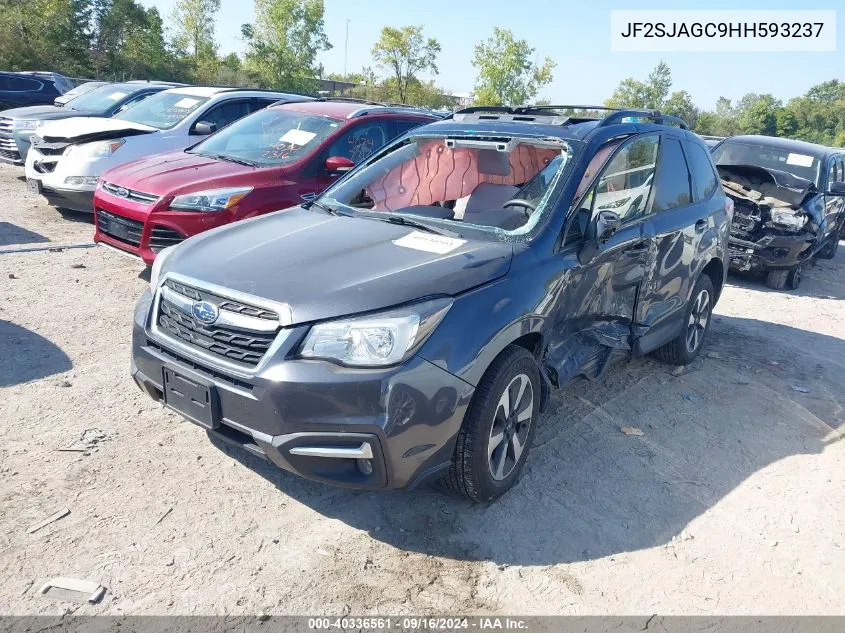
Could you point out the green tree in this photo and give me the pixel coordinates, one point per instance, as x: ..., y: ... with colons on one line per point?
x: 757, y: 114
x: 651, y: 94
x: 680, y: 104
x: 506, y: 73
x: 284, y: 43
x: 194, y: 20
x: 405, y: 52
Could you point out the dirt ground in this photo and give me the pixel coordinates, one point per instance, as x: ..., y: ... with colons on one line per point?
x: 731, y: 502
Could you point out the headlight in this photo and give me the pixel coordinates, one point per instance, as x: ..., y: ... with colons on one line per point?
x: 789, y: 218
x: 27, y: 124
x: 99, y: 149
x: 375, y: 340
x: 162, y: 257
x: 211, y: 200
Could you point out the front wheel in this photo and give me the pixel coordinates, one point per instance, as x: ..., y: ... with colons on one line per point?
x: 498, y: 428
x: 684, y: 349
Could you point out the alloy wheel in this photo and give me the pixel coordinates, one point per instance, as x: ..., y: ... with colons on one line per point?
x: 698, y: 318
x: 511, y: 424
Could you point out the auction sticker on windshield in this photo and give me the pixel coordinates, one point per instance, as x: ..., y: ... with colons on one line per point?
x: 186, y: 103
x: 439, y: 244
x: 297, y: 137
x: 116, y: 96
x: 801, y: 160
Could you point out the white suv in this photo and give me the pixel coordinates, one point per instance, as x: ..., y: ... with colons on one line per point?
x: 69, y: 156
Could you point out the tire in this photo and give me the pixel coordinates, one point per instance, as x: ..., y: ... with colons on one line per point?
x: 483, y: 469
x: 793, y: 279
x: 697, y: 316
x: 777, y: 279
x: 829, y: 250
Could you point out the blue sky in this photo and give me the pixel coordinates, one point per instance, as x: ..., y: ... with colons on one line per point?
x: 577, y: 38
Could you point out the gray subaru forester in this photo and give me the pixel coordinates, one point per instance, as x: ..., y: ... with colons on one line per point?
x: 410, y: 322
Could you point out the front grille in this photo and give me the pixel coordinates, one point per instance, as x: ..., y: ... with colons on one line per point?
x: 9, y: 149
x: 232, y: 343
x: 120, y: 228
x: 130, y: 194
x: 6, y: 125
x: 51, y: 150
x: 162, y: 237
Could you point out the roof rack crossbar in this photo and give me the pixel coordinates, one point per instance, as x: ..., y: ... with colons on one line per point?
x: 653, y: 115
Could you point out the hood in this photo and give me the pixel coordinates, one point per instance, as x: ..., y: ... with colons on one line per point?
x: 768, y: 186
x: 325, y: 266
x: 174, y: 173
x: 85, y: 128
x: 38, y: 112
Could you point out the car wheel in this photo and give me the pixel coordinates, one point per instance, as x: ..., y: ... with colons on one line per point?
x: 684, y: 349
x: 776, y: 279
x: 495, y: 437
x: 829, y: 250
x: 793, y: 279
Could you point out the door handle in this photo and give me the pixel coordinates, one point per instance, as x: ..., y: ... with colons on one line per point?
x: 700, y: 225
x: 638, y: 249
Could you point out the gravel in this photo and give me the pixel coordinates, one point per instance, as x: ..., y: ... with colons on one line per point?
x: 680, y: 520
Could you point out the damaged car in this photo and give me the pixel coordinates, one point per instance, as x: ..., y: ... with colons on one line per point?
x: 410, y: 322
x: 789, y: 201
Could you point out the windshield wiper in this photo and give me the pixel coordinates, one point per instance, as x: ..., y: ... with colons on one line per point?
x: 328, y: 209
x: 226, y: 157
x: 406, y: 221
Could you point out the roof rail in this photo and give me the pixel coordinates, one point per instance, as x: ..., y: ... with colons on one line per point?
x: 350, y: 100
x: 386, y: 109
x: 653, y: 115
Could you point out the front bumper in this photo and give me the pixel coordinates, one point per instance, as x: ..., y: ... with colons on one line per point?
x: 406, y: 417
x: 145, y: 229
x: 53, y: 172
x: 770, y: 251
x: 82, y: 201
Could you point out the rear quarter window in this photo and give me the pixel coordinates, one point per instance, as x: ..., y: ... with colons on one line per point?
x: 704, y: 177
x: 22, y: 84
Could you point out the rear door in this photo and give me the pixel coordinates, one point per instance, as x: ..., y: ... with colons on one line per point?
x: 683, y: 223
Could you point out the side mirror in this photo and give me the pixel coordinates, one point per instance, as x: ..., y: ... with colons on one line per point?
x: 203, y: 128
x: 606, y: 224
x: 836, y: 189
x: 338, y: 164
x: 600, y: 229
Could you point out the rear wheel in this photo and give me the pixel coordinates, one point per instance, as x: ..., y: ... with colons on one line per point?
x: 498, y: 428
x: 684, y: 349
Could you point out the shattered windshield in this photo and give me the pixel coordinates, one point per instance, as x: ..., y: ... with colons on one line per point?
x: 269, y: 137
x: 163, y: 110
x: 795, y: 163
x: 500, y: 186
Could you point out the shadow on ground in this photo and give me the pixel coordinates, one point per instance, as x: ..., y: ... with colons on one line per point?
x: 600, y: 492
x: 12, y: 234
x: 76, y: 216
x: 26, y: 356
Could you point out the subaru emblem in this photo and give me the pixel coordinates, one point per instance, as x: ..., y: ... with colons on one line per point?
x: 122, y: 192
x: 205, y: 312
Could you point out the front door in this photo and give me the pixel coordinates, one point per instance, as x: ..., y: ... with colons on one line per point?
x: 596, y: 307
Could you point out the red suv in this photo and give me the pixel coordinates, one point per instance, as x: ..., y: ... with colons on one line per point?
x: 273, y: 159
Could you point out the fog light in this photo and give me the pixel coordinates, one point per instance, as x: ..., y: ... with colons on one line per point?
x: 82, y: 180
x: 365, y: 466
